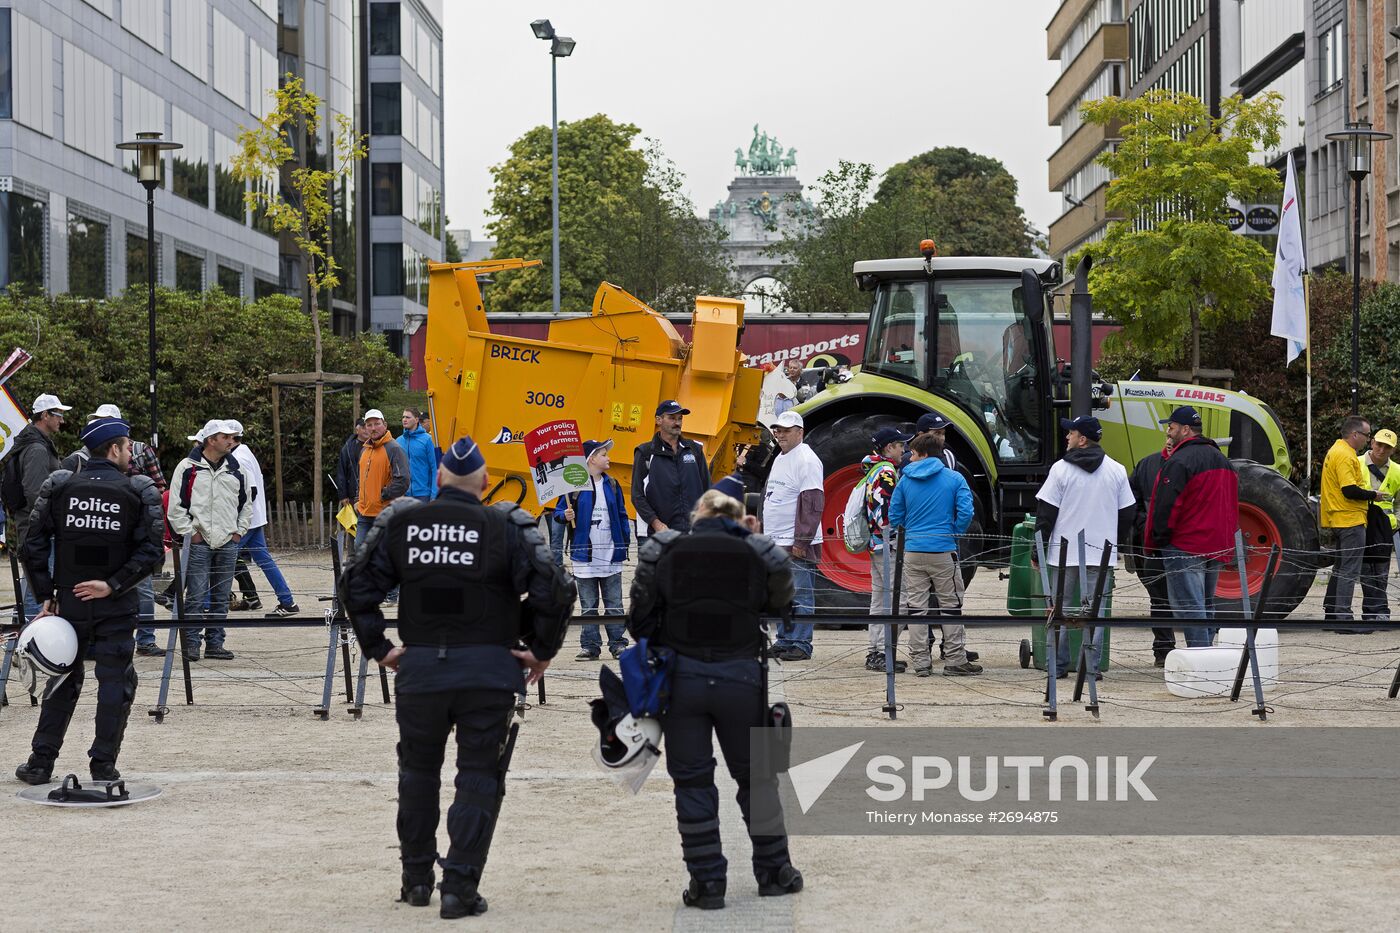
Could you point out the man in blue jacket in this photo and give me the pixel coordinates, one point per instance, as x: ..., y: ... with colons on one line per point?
x: 423, y: 455
x: 933, y: 505
x: 599, y: 534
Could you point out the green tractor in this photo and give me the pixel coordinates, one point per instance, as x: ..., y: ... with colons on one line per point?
x: 971, y: 339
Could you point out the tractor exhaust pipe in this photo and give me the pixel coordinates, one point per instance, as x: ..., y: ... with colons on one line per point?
x: 1081, y: 342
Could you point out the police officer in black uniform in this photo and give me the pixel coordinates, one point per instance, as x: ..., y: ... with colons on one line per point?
x: 106, y: 531
x: 717, y: 685
x: 468, y: 641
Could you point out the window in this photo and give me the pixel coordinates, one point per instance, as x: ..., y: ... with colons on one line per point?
x: 136, y: 259
x: 32, y: 67
x: 102, y: 6
x: 383, y: 29
x: 409, y: 127
x: 230, y: 281
x: 145, y: 19
x: 6, y: 72
x: 265, y: 74
x: 387, y: 275
x: 87, y: 257
x: 387, y: 179
x: 87, y: 103
x: 262, y: 221
x: 230, y: 53
x: 1331, y: 58
x: 896, y: 345
x: 228, y: 190
x: 25, y: 223
x: 415, y: 275
x: 141, y: 111
x: 189, y: 272
x: 189, y: 36
x: 191, y: 174
x: 384, y: 108
x: 264, y: 288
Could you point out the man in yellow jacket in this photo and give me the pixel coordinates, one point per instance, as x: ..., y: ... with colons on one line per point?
x: 1381, y: 476
x: 1346, y: 495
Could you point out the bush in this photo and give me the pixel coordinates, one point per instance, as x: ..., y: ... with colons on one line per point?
x: 213, y: 358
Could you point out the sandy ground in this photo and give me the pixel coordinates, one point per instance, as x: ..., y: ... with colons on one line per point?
x: 274, y: 820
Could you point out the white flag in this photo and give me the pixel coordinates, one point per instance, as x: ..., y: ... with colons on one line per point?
x: 1290, y: 313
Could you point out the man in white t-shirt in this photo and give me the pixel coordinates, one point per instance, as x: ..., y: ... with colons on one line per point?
x: 598, y: 537
x: 793, y: 499
x: 1087, y: 492
x: 254, y: 544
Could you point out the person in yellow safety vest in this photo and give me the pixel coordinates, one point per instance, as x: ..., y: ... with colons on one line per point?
x: 1382, y: 476
x: 1345, y: 497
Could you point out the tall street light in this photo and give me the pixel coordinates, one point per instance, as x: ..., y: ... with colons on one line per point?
x: 560, y: 47
x: 148, y: 147
x: 1358, y: 136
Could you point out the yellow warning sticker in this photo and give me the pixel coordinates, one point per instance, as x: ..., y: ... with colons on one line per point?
x: 469, y: 380
x: 617, y: 413
x: 634, y: 416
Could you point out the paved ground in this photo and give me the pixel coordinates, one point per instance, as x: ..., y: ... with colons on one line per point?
x: 272, y: 819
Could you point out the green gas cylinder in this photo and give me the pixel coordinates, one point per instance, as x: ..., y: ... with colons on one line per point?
x: 1025, y: 597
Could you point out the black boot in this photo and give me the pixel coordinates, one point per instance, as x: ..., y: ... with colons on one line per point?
x: 104, y: 770
x: 706, y: 895
x: 779, y: 881
x: 416, y: 890
x: 37, y: 770
x: 459, y: 897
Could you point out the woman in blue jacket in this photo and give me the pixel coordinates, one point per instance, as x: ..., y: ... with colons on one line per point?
x: 599, y: 534
x: 423, y: 455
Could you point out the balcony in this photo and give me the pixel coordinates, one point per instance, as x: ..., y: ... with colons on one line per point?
x: 1108, y: 44
x: 1063, y: 23
x: 1073, y: 227
x: 1084, y: 144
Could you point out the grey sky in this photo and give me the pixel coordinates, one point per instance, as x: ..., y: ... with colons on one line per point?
x: 877, y: 82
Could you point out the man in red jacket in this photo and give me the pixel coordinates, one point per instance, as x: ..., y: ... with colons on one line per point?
x: 1192, y: 520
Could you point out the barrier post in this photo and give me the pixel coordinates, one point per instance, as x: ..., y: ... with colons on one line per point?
x: 1250, y: 655
x: 891, y: 607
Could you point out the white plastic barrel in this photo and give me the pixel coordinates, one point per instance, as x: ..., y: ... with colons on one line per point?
x: 1210, y: 672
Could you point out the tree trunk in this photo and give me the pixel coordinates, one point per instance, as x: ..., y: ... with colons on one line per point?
x: 320, y: 396
x: 1195, y: 346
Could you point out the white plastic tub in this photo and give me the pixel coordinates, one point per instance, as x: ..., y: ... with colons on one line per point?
x: 1210, y: 672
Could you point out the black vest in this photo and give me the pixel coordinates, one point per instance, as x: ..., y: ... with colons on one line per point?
x: 454, y: 560
x: 713, y: 589
x: 95, y: 522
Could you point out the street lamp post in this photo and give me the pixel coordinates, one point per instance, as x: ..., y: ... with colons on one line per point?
x: 560, y: 47
x: 148, y: 147
x: 1358, y: 136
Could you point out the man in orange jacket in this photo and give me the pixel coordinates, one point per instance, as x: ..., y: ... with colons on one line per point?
x: 383, y: 472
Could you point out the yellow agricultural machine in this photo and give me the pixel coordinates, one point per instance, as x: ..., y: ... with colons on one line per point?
x: 607, y: 371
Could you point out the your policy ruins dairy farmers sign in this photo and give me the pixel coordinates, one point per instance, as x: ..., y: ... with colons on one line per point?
x: 554, y: 452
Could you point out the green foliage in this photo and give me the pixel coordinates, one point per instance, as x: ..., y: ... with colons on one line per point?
x: 1168, y: 267
x: 213, y: 359
x: 965, y: 201
x: 623, y: 218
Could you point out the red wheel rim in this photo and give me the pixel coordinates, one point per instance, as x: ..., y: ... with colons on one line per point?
x: 1260, y: 534
x: 848, y: 571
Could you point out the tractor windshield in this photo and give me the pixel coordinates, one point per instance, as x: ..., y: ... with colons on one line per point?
x: 980, y: 351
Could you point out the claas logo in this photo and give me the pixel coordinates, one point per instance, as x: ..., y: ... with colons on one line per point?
x: 1202, y: 395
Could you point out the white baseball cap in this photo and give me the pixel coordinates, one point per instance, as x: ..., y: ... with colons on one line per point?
x: 106, y: 411
x: 233, y: 426
x: 788, y: 419
x: 48, y: 402
x: 211, y: 427
x: 374, y: 413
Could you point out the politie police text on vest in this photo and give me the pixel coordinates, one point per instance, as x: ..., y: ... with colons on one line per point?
x: 443, y: 553
x: 81, y: 515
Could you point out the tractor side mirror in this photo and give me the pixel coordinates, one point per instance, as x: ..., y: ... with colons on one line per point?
x: 1032, y: 296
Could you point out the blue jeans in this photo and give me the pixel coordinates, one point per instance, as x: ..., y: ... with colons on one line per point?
x: 255, y: 546
x: 362, y: 528
x: 608, y: 590
x: 799, y: 634
x: 208, y: 578
x: 1074, y: 599
x: 32, y: 608
x: 558, y: 532
x: 1191, y: 591
x: 147, y: 590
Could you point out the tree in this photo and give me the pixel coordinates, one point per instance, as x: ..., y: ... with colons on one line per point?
x: 965, y: 201
x: 623, y: 218
x: 304, y: 209
x: 1169, y: 266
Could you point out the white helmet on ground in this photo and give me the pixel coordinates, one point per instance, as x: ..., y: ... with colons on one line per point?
x: 50, y: 645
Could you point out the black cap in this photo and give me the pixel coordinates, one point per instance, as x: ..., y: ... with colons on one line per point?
x: 1088, y: 426
x: 932, y: 421
x: 1184, y: 415
x: 671, y: 407
x: 889, y: 434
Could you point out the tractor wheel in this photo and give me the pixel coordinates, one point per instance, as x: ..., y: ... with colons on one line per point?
x: 843, y: 583
x: 1273, y: 512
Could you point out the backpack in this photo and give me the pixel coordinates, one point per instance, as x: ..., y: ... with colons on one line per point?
x: 855, y: 526
x: 11, y: 487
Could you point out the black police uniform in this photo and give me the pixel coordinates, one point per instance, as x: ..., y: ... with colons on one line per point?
x: 716, y: 687
x: 102, y: 525
x: 462, y: 568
